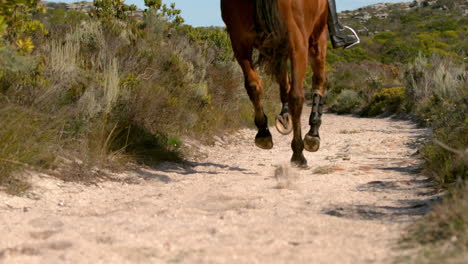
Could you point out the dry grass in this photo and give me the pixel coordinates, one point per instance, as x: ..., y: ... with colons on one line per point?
x: 427, y: 77
x: 100, y: 99
x: 28, y: 140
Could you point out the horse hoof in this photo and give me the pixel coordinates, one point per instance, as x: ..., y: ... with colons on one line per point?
x: 299, y: 161
x: 264, y: 143
x: 311, y: 143
x: 264, y: 140
x: 284, y: 124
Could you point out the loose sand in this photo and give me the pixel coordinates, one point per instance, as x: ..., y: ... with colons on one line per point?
x: 234, y: 204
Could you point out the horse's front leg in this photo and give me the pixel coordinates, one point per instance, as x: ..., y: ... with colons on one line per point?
x: 317, y: 52
x: 298, y: 52
x: 253, y: 85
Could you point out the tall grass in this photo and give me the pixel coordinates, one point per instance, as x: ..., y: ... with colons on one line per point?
x: 435, y: 77
x: 63, y: 57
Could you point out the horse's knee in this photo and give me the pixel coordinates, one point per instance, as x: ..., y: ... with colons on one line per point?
x: 254, y: 90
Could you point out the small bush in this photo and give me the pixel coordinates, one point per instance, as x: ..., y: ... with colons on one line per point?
x: 347, y: 102
x: 388, y: 100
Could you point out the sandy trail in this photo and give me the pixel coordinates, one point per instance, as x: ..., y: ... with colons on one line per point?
x: 234, y: 205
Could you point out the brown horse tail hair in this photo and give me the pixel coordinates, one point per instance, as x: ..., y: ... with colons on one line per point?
x: 272, y: 34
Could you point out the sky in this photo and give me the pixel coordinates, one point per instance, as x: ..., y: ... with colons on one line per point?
x: 207, y: 12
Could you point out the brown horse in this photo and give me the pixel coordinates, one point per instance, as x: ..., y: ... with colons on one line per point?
x: 282, y: 30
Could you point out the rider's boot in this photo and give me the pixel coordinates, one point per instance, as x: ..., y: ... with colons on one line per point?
x: 338, y: 36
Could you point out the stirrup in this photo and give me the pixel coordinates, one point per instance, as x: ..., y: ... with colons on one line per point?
x: 355, y: 34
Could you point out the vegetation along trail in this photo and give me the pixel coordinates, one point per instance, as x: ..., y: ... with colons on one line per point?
x: 237, y: 204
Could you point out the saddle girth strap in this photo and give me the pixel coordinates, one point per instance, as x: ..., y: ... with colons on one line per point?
x: 316, y: 116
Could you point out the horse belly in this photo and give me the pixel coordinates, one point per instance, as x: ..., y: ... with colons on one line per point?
x: 309, y: 15
x: 238, y: 13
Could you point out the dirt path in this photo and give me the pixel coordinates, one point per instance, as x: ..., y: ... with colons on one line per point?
x: 235, y: 205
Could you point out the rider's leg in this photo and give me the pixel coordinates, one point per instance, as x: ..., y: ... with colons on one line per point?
x: 338, y: 36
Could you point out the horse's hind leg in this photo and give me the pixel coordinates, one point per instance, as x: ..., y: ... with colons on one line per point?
x: 317, y: 52
x: 254, y: 89
x: 284, y: 120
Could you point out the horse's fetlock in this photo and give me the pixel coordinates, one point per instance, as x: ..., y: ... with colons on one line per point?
x: 261, y: 121
x: 285, y: 108
x: 297, y: 145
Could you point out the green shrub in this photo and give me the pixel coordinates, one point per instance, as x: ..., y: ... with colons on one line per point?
x: 388, y: 100
x: 398, y: 50
x: 16, y: 18
x: 356, y: 54
x: 442, y: 25
x: 347, y: 102
x: 108, y: 9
